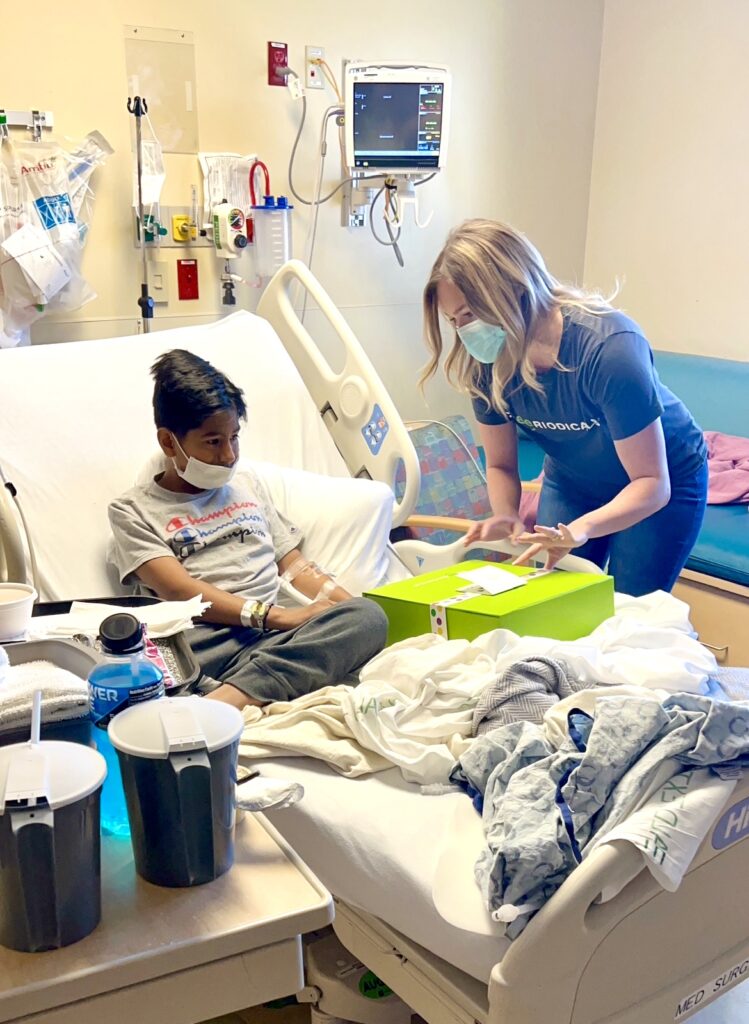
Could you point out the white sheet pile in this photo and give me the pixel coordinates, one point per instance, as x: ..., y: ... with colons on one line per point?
x: 414, y: 705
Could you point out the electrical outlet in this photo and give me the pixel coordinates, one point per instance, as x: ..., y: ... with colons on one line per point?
x: 278, y: 57
x: 313, y: 76
x: 158, y: 280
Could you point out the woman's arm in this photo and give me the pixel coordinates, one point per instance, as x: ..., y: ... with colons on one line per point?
x: 500, y: 444
x: 644, y: 458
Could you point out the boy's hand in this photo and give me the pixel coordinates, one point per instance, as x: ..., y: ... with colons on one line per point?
x: 284, y: 619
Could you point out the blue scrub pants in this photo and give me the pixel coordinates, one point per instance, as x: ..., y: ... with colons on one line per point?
x: 649, y: 555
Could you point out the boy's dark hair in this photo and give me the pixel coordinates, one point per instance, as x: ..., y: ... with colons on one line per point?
x: 187, y: 390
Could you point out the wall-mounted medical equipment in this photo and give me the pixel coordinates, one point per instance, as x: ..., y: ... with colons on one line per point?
x: 229, y: 232
x: 35, y: 120
x: 393, y: 119
x: 397, y: 117
x: 272, y: 225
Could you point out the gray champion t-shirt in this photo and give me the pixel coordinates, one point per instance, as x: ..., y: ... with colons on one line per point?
x: 607, y: 390
x: 231, y: 537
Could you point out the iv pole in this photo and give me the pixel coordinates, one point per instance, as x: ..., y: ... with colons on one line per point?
x: 138, y: 107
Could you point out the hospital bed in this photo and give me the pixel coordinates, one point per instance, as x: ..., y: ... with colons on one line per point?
x: 76, y: 430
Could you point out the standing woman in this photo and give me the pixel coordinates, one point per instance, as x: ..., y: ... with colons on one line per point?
x: 625, y: 474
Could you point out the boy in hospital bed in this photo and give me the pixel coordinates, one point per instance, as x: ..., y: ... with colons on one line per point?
x: 199, y: 527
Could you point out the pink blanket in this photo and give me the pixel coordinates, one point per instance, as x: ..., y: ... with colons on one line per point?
x: 728, y: 468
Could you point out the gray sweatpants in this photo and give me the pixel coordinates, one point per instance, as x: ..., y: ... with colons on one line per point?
x: 324, y: 651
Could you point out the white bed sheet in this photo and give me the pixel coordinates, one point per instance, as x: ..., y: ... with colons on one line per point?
x: 377, y: 842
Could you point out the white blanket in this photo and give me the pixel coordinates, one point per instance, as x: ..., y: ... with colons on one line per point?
x: 414, y: 704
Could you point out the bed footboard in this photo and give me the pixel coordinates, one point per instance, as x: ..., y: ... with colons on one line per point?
x: 645, y: 957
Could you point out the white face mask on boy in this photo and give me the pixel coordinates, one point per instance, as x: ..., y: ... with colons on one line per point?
x: 203, y: 474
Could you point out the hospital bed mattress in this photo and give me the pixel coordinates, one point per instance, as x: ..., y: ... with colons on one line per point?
x: 376, y: 843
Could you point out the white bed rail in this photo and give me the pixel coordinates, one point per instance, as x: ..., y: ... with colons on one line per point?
x: 419, y: 556
x: 12, y: 555
x: 354, y: 403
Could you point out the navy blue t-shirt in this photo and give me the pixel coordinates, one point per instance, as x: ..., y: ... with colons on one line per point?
x: 608, y: 390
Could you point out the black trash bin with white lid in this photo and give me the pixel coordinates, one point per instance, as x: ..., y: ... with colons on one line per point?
x: 50, y: 845
x: 178, y: 758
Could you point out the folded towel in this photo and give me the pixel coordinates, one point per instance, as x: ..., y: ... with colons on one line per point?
x: 64, y: 695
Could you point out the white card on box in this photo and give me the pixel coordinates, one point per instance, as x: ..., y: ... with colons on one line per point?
x: 492, y: 579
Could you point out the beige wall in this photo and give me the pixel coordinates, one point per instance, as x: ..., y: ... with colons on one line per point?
x: 668, y: 208
x: 525, y: 75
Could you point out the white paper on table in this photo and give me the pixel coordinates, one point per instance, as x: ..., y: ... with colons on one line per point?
x: 492, y: 579
x: 42, y: 266
x: 162, y: 620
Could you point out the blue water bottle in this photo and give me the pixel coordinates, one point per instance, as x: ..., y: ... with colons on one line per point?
x: 127, y: 677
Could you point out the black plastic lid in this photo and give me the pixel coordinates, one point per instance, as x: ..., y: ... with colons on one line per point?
x: 121, y: 633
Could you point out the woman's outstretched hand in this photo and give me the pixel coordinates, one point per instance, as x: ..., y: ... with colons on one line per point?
x: 495, y: 528
x: 555, y: 541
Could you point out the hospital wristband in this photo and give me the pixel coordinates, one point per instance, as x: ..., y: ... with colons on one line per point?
x: 253, y: 614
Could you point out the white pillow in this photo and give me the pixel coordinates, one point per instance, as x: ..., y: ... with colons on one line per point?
x: 346, y: 522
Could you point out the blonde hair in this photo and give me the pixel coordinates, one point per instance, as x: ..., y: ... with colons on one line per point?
x: 505, y: 281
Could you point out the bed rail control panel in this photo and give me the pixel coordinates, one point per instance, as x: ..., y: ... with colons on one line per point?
x: 354, y: 403
x: 375, y: 431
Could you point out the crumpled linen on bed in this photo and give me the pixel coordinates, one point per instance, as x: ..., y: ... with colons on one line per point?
x: 310, y: 726
x: 414, y: 705
x: 544, y: 801
x: 524, y: 693
x: 415, y: 702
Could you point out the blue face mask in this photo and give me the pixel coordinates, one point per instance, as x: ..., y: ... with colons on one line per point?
x: 482, y: 341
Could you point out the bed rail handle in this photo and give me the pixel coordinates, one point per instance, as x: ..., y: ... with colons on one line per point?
x: 12, y: 554
x: 357, y: 410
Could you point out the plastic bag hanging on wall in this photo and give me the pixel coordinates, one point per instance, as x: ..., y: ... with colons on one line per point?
x: 45, y: 207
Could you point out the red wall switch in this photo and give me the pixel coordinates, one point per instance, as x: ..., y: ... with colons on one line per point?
x: 278, y: 57
x: 187, y: 279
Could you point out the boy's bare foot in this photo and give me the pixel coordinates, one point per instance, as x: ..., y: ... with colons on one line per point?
x: 231, y: 695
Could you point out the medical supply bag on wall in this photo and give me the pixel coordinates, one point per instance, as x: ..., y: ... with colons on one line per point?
x: 46, y: 203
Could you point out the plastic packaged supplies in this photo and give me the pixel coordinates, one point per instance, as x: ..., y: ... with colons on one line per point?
x: 45, y: 206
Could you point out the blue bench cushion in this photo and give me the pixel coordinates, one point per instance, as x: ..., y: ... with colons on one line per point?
x: 530, y: 458
x: 722, y: 548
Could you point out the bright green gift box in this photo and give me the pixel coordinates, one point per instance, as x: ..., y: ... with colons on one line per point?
x: 562, y: 605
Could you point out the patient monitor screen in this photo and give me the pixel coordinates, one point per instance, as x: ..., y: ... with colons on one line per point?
x: 397, y: 124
